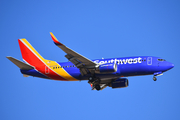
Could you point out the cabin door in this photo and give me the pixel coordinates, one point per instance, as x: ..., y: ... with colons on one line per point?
x: 46, y: 70
x: 149, y: 61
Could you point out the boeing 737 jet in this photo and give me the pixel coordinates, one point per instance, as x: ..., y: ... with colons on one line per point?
x: 100, y: 73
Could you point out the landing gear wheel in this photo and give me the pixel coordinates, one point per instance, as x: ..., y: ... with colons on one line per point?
x: 91, y: 80
x: 98, y: 87
x: 154, y: 78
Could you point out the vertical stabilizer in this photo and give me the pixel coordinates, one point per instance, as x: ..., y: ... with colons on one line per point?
x: 29, y: 54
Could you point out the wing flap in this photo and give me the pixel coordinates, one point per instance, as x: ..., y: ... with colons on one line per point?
x: 20, y: 64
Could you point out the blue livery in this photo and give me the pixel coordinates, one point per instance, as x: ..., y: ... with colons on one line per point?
x: 100, y: 73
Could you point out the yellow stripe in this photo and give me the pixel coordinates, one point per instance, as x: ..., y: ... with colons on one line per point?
x: 50, y: 63
x: 30, y: 46
x: 60, y: 70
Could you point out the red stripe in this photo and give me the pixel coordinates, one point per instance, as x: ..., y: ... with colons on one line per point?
x: 33, y: 60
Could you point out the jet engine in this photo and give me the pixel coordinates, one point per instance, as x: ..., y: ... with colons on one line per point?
x: 120, y: 83
x: 107, y: 68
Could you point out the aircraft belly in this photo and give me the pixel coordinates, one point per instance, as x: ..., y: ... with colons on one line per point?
x: 34, y: 73
x: 133, y: 70
x: 72, y: 74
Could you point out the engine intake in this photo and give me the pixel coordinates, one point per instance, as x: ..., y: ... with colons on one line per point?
x: 120, y: 83
x: 107, y: 68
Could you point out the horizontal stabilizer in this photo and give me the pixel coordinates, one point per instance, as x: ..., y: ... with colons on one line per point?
x: 20, y: 64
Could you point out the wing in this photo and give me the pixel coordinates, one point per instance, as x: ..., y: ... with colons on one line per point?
x: 84, y: 64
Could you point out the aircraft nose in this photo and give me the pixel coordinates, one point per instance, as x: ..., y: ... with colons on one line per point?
x: 170, y: 65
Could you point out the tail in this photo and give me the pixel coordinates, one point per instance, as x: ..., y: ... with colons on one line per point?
x: 34, y: 59
x: 29, y: 54
x: 20, y: 64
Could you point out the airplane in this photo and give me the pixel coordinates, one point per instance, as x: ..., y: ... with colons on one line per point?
x: 100, y: 73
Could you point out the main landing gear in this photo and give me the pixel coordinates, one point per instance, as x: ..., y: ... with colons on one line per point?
x: 97, y: 86
x: 154, y: 78
x: 95, y: 83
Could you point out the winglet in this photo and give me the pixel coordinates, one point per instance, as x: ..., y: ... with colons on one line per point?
x: 55, y: 39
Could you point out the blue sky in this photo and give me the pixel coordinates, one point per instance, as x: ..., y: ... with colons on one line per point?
x: 95, y: 29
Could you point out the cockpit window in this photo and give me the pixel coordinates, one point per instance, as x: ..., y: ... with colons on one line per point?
x: 161, y: 60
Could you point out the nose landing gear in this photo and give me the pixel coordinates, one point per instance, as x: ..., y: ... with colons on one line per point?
x: 154, y: 78
x: 157, y: 74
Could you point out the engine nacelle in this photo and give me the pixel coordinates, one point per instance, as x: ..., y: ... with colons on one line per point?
x: 120, y: 83
x: 107, y: 68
